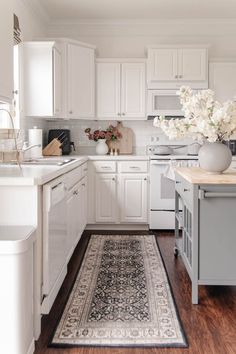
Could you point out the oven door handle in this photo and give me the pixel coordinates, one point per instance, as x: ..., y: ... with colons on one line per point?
x: 163, y: 162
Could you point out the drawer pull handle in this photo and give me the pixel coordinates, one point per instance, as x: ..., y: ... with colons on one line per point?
x: 113, y: 179
x: 186, y: 190
x: 135, y: 167
x: 106, y: 167
x: 83, y: 184
x: 177, y: 182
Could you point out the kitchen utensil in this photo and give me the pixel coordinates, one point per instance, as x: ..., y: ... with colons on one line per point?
x: 53, y: 148
x: 163, y: 150
x: 125, y: 143
x: 63, y: 135
x: 193, y: 148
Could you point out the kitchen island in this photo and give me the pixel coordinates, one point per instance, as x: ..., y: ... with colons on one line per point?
x: 207, y: 243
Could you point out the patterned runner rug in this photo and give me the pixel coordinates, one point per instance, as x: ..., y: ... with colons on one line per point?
x: 121, y: 297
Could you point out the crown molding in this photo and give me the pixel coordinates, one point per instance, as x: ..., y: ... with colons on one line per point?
x: 37, y: 10
x: 142, y: 21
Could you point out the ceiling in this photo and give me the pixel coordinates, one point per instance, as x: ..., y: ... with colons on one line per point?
x: 138, y: 9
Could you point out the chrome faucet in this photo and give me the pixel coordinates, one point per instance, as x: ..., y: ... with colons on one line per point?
x: 25, y: 148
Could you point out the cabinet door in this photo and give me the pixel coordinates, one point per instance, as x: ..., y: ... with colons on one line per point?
x: 6, y: 51
x: 81, y: 81
x: 108, y: 90
x: 133, y: 198
x: 57, y: 81
x: 72, y: 220
x: 83, y: 204
x: 133, y: 90
x: 162, y: 64
x: 106, y: 198
x: 192, y: 64
x: 222, y: 80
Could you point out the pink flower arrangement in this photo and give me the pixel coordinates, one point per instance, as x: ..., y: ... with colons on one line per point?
x: 111, y: 133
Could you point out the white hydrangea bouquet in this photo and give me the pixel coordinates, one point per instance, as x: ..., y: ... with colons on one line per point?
x: 204, y: 118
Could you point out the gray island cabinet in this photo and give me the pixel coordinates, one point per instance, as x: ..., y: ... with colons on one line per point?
x: 207, y: 242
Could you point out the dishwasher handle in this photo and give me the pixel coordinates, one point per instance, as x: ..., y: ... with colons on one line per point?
x: 58, y: 193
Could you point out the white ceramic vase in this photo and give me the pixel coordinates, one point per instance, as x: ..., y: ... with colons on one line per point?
x: 214, y: 157
x: 101, y: 147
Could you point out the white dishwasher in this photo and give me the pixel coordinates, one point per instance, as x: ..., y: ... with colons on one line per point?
x: 54, y: 240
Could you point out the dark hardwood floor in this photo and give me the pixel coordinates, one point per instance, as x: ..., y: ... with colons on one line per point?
x: 210, y: 326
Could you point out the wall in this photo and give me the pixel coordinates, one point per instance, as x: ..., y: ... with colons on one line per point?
x: 129, y: 38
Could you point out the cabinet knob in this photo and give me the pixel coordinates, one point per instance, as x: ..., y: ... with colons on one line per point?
x: 145, y: 179
x: 113, y: 179
x: 176, y: 76
x: 186, y: 190
x: 180, y: 76
x: 70, y: 112
x: 83, y: 184
x: 119, y: 114
x: 123, y: 114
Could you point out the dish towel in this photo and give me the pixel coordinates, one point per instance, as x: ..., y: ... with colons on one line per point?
x: 170, y: 169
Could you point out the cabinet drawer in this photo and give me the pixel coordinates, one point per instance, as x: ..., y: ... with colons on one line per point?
x: 84, y: 169
x: 133, y: 166
x: 105, y: 166
x: 185, y: 190
x: 73, y: 177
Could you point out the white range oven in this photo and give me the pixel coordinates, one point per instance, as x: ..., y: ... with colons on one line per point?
x: 162, y: 189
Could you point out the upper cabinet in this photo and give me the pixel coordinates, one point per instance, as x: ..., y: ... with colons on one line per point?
x: 41, y: 70
x: 6, y: 51
x: 80, y: 81
x: 172, y: 67
x: 121, y: 90
x: 222, y: 80
x: 58, y: 79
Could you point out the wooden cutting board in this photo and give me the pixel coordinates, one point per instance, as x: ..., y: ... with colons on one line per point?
x: 125, y: 144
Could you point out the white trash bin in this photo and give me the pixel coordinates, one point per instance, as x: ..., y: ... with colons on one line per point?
x: 16, y: 294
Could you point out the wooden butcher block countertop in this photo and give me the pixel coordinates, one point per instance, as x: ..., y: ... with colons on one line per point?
x: 196, y: 175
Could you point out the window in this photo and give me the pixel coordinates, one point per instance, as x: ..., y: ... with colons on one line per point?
x: 5, y: 121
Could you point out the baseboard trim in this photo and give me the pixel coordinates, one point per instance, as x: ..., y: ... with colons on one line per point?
x: 117, y: 227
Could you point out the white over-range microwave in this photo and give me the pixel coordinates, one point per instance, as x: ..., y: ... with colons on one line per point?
x: 163, y: 102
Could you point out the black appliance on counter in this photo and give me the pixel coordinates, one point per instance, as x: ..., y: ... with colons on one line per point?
x: 63, y: 135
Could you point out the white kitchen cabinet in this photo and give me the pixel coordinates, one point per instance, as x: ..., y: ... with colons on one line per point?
x: 171, y: 67
x: 80, y: 80
x: 222, y: 80
x: 120, y: 90
x: 84, y: 203
x: 42, y: 76
x: 72, y: 206
x: 133, y: 198
x: 118, y: 192
x: 105, y: 198
x: 6, y: 51
x: 76, y: 207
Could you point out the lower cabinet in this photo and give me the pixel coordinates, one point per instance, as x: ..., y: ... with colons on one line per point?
x: 105, y: 197
x: 76, y: 215
x: 133, y: 198
x: 118, y: 197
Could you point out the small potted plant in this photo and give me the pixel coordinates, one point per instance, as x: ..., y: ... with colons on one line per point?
x: 102, y: 136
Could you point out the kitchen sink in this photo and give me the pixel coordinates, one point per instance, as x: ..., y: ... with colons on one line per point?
x: 48, y: 161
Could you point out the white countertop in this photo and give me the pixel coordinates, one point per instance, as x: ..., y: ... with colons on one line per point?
x: 40, y: 174
x: 119, y: 157
x: 30, y: 175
